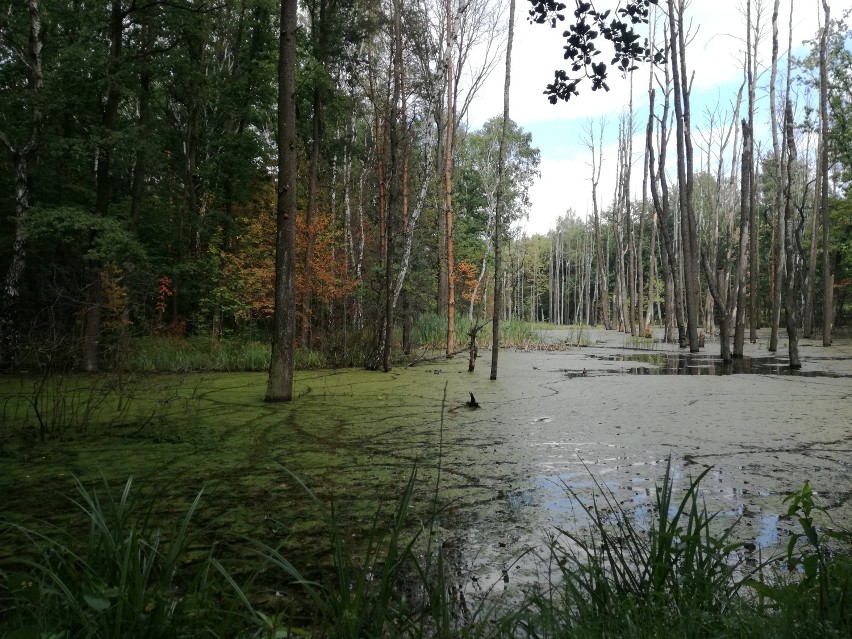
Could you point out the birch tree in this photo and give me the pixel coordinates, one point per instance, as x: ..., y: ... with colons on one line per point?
x: 23, y: 151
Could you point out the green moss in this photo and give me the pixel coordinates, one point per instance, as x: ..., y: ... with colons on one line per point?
x: 352, y: 435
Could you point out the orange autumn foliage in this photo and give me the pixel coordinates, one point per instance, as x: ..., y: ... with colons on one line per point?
x: 466, y: 277
x: 249, y: 269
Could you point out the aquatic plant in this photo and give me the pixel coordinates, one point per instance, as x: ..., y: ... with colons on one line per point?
x: 615, y: 578
x: 128, y: 577
x: 817, y: 599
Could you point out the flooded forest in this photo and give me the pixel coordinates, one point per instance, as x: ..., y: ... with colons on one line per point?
x: 280, y: 357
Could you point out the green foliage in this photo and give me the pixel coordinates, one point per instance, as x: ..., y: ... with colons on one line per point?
x: 475, y: 191
x: 200, y: 354
x: 124, y: 579
x: 92, y: 237
x: 581, y: 46
x: 818, y: 598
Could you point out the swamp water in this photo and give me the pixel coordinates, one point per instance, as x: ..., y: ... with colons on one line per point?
x: 497, y: 479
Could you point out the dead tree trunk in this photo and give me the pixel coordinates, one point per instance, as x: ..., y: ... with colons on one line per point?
x: 792, y: 291
x: 601, y: 275
x: 742, y: 268
x: 828, y: 277
x: 498, y: 216
x: 688, y: 228
x: 660, y: 196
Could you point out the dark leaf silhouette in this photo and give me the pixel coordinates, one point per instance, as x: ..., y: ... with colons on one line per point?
x: 580, y: 42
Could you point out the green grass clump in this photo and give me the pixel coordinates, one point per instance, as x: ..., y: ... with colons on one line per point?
x: 202, y: 354
x: 193, y: 354
x: 615, y: 579
x: 430, y: 332
x: 129, y: 576
x: 126, y: 577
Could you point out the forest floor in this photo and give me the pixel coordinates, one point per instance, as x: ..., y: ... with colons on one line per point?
x: 493, y: 481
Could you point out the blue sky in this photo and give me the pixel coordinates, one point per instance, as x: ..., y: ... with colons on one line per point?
x: 715, y: 55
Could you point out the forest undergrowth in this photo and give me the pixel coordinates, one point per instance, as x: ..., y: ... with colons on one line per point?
x: 250, y: 352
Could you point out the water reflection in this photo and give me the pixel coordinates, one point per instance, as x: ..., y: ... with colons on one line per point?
x: 702, y: 364
x: 563, y: 499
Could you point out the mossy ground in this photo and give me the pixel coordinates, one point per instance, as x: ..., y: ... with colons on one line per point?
x: 353, y: 436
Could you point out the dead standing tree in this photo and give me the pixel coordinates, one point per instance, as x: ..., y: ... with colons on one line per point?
x: 660, y: 197
x: 688, y: 227
x: 498, y: 215
x: 793, y: 288
x: 600, y: 274
x: 828, y: 277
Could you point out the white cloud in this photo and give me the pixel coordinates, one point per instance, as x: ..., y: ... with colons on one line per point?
x: 715, y: 55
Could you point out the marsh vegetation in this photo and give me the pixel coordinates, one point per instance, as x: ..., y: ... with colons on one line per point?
x: 382, y: 505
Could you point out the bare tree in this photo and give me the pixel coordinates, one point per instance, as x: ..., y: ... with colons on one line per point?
x: 688, y: 228
x: 777, y: 273
x: 595, y: 149
x: 828, y: 277
x: 498, y: 217
x: 660, y: 196
x: 791, y: 301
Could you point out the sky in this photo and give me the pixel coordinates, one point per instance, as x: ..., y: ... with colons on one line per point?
x: 715, y: 56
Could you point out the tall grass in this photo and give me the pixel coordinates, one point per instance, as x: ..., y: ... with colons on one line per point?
x: 127, y: 577
x: 194, y: 354
x: 616, y: 579
x: 55, y: 405
x: 363, y: 597
x: 682, y: 576
x: 430, y: 332
x: 819, y: 599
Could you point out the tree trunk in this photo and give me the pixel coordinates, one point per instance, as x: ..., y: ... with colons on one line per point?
x: 443, y: 275
x: 791, y: 297
x: 498, y: 216
x: 144, y: 120
x: 603, y: 284
x: 827, y: 276
x: 778, y: 214
x: 448, y: 189
x: 21, y: 158
x: 93, y: 311
x: 720, y: 308
x: 280, y: 383
x: 628, y: 218
x: 745, y: 189
x: 751, y: 58
x: 688, y: 229
x: 396, y: 185
x: 660, y: 196
x: 310, y: 212
x: 810, y: 281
